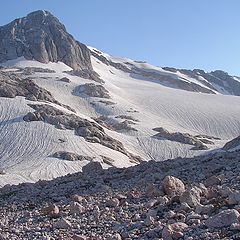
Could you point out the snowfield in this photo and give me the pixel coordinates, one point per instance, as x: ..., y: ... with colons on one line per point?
x: 26, y: 148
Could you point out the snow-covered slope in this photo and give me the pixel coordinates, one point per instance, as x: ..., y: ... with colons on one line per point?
x: 136, y: 98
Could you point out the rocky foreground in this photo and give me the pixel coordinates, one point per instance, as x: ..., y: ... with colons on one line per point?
x: 186, y: 199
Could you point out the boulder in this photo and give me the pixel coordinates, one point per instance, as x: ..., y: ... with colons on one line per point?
x: 234, y: 198
x: 223, y: 219
x: 51, y: 211
x: 174, y: 231
x: 191, y: 196
x: 173, y: 186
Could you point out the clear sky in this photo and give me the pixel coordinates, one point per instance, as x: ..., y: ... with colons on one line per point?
x: 187, y: 34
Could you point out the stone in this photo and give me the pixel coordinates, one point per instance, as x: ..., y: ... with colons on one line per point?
x: 114, y: 202
x: 174, y: 231
x: 65, y: 79
x: 148, y: 221
x: 153, y: 191
x: 79, y: 237
x: 173, y: 186
x: 69, y: 156
x: 223, y: 219
x: 232, y: 144
x: 62, y: 224
x: 211, y: 181
x: 51, y: 211
x: 235, y: 226
x: 76, y: 208
x: 77, y: 198
x: 116, y: 236
x: 234, y: 198
x: 180, y: 137
x: 91, y: 90
x: 191, y: 197
x: 92, y: 168
x: 204, y: 209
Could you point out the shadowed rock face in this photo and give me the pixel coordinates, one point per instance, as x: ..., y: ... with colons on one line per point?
x: 42, y: 37
x: 232, y: 144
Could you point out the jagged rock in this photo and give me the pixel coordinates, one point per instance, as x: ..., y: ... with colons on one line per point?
x: 180, y: 137
x: 87, y: 74
x: 211, y: 181
x: 215, y: 78
x: 71, y: 156
x: 65, y: 79
x: 114, y: 125
x: 223, y: 219
x: 107, y: 160
x: 12, y: 85
x: 173, y: 186
x: 92, y: 168
x: 90, y: 131
x: 42, y: 37
x: 232, y: 144
x: 91, y: 90
x: 191, y: 196
x: 174, y: 231
x: 204, y: 209
x: 32, y: 70
x: 234, y: 198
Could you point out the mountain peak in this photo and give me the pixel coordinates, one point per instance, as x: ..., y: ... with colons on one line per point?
x: 42, y: 37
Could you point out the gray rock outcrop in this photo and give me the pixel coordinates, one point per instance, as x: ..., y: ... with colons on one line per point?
x: 90, y: 131
x: 42, y: 37
x: 184, y: 138
x: 91, y: 90
x: 69, y: 156
x: 232, y: 144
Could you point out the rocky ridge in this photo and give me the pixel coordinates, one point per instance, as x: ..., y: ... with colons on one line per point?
x: 42, y: 37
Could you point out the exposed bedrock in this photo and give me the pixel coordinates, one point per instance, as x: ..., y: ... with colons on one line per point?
x: 196, y: 141
x: 69, y: 156
x: 42, y: 37
x: 91, y: 90
x: 90, y: 131
x: 12, y: 85
x: 232, y: 144
x: 113, y: 124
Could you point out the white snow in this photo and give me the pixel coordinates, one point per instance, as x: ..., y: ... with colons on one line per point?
x: 26, y: 148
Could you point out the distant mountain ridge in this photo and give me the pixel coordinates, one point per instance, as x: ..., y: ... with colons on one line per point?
x: 42, y: 37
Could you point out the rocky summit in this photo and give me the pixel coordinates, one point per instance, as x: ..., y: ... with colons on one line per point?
x: 41, y: 36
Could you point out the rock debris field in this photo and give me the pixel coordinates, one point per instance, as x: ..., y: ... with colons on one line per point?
x: 188, y: 199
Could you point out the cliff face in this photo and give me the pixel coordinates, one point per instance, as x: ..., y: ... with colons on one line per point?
x: 42, y: 37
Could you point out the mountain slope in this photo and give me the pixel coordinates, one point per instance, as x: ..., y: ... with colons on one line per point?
x: 136, y: 112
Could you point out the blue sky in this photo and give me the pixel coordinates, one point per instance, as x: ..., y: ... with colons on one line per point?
x: 187, y: 34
